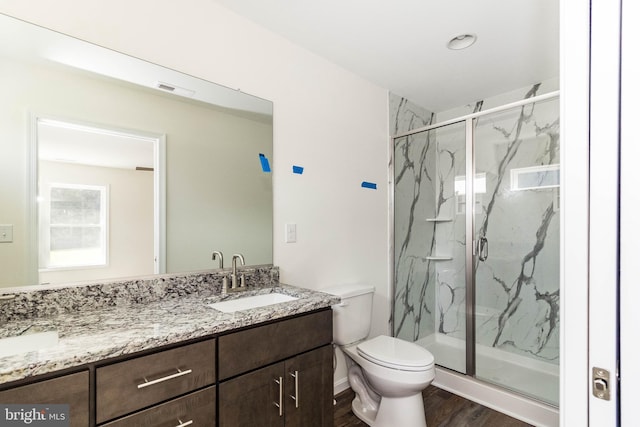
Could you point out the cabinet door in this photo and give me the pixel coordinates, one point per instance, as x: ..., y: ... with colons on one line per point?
x: 72, y: 390
x: 253, y: 399
x: 310, y: 404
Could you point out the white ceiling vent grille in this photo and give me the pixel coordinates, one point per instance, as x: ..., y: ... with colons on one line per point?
x: 175, y: 89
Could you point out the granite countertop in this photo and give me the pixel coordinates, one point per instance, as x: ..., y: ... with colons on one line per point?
x: 90, y: 336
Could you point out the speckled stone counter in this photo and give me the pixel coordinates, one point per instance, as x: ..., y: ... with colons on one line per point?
x: 115, y: 329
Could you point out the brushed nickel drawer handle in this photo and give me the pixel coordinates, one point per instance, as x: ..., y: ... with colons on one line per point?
x: 180, y: 373
x: 279, y: 403
x: 187, y: 423
x: 295, y: 375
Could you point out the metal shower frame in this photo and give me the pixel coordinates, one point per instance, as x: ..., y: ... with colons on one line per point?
x: 470, y: 285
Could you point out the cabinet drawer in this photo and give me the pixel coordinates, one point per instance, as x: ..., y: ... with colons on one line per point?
x: 72, y: 390
x: 127, y: 386
x: 252, y: 348
x: 195, y: 409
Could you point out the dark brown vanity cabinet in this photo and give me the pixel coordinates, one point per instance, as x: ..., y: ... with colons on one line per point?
x: 273, y: 374
x: 134, y: 384
x: 296, y: 392
x: 71, y: 389
x: 280, y: 374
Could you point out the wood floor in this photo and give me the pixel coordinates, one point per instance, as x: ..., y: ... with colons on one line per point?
x: 441, y: 407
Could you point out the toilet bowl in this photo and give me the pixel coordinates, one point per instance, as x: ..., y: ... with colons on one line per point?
x: 387, y: 374
x: 398, y: 386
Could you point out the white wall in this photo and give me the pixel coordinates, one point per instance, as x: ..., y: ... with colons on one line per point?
x: 328, y: 120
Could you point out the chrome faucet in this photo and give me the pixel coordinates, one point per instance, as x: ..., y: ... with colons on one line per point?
x: 225, y: 279
x: 234, y: 273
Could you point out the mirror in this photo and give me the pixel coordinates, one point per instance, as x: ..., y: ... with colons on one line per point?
x: 207, y: 183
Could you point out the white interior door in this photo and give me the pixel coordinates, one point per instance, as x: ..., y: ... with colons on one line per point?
x: 574, y: 124
x: 629, y: 217
x: 604, y: 140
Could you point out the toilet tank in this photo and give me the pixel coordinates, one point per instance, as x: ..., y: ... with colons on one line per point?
x: 352, y: 317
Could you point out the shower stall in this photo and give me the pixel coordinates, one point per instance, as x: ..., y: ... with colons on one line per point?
x: 477, y: 244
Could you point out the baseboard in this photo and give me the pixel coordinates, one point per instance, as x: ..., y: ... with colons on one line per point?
x: 340, y: 385
x: 527, y: 410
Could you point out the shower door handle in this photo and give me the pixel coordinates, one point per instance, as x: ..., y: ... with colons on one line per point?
x: 483, y: 249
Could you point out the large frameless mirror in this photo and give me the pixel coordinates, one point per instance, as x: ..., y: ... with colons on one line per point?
x: 115, y: 167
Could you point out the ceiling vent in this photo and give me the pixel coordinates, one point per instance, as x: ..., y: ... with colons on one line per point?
x: 175, y: 89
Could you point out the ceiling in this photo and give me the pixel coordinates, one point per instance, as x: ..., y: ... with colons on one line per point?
x: 25, y: 42
x: 401, y: 44
x: 87, y: 145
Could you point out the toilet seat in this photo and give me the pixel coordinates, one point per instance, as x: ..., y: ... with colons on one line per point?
x: 396, y: 354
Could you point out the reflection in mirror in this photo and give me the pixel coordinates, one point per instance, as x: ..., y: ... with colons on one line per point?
x: 217, y: 196
x: 99, y: 203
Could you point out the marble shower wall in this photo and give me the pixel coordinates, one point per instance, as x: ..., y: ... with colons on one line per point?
x: 450, y: 274
x: 414, y: 200
x: 517, y: 288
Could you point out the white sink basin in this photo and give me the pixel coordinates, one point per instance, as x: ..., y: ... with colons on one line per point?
x: 28, y: 342
x: 247, y: 303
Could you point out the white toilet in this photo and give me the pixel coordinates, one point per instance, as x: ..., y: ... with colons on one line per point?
x: 387, y: 374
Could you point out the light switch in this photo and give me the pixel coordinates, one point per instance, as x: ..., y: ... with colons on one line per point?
x: 6, y: 233
x: 290, y: 233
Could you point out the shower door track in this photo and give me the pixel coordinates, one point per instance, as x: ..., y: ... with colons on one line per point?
x: 470, y: 288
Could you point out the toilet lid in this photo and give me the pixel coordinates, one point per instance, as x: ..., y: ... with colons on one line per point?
x: 396, y: 353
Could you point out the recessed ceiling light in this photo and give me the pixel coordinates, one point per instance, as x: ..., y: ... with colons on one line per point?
x: 462, y: 41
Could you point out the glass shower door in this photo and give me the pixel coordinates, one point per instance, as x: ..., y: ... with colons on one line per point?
x: 517, y: 249
x: 429, y: 233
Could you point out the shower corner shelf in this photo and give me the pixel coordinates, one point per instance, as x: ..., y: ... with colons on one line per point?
x: 439, y: 219
x: 438, y: 258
